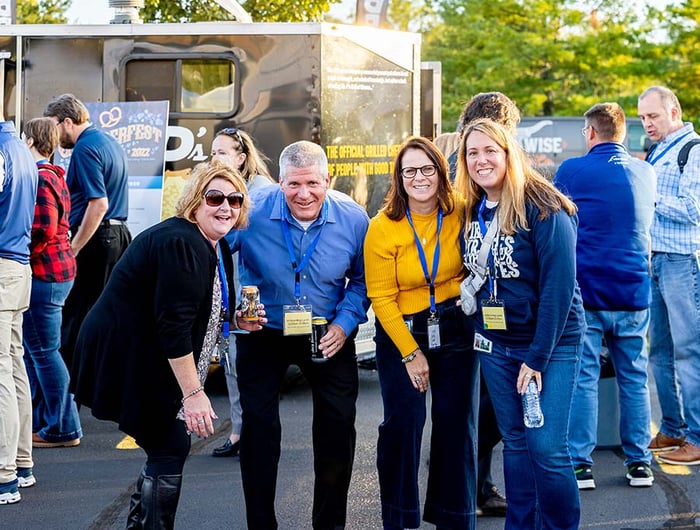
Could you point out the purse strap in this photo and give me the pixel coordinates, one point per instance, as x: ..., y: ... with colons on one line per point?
x: 486, y: 242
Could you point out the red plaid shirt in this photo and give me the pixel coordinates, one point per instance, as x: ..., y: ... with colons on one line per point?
x: 52, y: 257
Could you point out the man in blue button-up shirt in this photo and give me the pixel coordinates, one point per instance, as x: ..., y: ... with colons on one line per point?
x: 674, y: 331
x: 303, y: 250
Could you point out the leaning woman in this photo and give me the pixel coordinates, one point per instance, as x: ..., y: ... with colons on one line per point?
x: 145, y: 346
x: 529, y: 319
x: 413, y: 270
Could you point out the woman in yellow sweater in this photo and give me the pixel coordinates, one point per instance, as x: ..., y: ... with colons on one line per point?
x: 413, y: 269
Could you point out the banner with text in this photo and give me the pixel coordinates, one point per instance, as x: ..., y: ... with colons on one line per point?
x: 140, y: 128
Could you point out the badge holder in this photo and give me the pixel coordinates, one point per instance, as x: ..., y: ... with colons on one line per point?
x: 297, y: 319
x: 433, y: 331
x: 494, y: 314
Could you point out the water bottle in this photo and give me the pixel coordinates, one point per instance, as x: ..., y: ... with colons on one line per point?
x: 532, y: 413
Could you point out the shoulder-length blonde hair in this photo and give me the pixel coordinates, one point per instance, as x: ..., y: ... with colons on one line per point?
x: 522, y: 184
x: 193, y: 193
x: 396, y: 201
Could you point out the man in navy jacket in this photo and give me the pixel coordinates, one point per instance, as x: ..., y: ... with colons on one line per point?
x: 615, y: 194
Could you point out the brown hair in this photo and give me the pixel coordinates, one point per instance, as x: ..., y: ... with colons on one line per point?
x: 493, y: 105
x: 608, y: 120
x: 67, y: 106
x: 522, y: 183
x: 44, y: 135
x: 396, y: 200
x: 193, y: 192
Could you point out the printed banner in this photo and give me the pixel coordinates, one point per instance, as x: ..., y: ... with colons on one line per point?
x: 140, y: 128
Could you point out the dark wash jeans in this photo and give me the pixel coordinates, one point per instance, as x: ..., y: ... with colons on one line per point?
x: 540, y: 484
x: 55, y: 415
x: 454, y: 388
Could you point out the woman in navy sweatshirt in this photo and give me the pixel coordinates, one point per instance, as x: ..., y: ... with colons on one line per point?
x: 529, y: 320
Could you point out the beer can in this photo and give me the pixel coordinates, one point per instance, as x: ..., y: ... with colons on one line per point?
x: 319, y: 327
x: 250, y: 299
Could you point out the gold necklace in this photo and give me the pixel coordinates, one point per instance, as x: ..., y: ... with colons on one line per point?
x: 426, y: 232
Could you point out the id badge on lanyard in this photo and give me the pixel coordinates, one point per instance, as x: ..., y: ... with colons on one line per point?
x: 296, y: 319
x: 433, y: 322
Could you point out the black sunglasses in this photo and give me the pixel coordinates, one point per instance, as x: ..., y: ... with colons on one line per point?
x: 216, y: 198
x: 233, y: 131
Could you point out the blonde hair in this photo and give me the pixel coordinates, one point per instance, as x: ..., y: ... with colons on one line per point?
x: 193, y: 192
x: 522, y: 184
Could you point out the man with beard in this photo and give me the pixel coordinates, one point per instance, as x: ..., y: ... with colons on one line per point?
x: 97, y: 180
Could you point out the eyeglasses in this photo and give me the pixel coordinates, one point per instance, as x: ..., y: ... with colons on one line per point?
x: 233, y: 131
x: 411, y: 172
x: 583, y: 131
x: 216, y: 198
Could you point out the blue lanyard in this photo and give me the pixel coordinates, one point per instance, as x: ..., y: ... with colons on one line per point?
x: 670, y: 146
x: 482, y: 227
x: 224, y: 293
x: 430, y: 280
x: 298, y: 267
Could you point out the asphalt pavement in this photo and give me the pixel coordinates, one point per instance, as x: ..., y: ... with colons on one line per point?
x: 88, y: 487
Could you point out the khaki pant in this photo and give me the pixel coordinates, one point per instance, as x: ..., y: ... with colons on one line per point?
x: 15, y: 396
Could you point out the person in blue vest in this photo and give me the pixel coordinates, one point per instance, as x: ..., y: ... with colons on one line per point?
x: 674, y: 348
x: 614, y: 193
x: 18, y: 184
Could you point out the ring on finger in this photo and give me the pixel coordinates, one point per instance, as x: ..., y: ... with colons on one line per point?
x: 200, y: 421
x: 417, y: 379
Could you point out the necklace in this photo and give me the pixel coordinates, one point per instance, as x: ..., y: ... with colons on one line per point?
x: 427, y: 232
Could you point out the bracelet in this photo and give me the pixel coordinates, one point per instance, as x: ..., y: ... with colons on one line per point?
x: 410, y: 357
x: 195, y: 391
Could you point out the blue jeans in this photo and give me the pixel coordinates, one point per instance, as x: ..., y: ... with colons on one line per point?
x: 674, y: 336
x: 625, y: 337
x: 55, y: 413
x: 450, y: 500
x: 540, y: 484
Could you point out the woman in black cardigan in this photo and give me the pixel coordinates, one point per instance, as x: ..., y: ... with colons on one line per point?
x: 145, y: 346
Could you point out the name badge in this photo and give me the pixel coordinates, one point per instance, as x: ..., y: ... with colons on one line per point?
x: 297, y: 320
x: 483, y: 344
x: 494, y: 313
x: 433, y: 332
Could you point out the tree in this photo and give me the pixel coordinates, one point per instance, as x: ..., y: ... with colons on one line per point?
x: 42, y: 11
x: 551, y: 56
x: 681, y: 56
x: 259, y: 10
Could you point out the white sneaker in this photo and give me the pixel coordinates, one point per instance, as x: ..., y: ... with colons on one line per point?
x: 10, y: 497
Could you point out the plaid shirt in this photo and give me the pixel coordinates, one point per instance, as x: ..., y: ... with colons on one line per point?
x: 51, y: 258
x: 676, y: 226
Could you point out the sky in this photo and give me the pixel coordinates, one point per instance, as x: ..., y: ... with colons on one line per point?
x: 98, y: 12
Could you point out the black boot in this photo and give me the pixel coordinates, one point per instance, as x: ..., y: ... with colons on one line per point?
x: 133, y: 522
x: 159, y: 498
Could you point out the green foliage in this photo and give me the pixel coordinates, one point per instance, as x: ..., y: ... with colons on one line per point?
x: 412, y: 15
x: 42, y: 11
x: 555, y: 57
x: 183, y: 11
x: 259, y: 10
x: 683, y: 56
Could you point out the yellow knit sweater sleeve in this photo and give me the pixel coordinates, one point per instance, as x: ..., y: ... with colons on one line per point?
x: 396, y: 284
